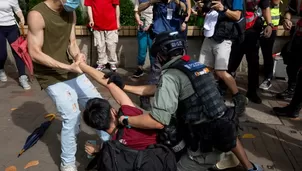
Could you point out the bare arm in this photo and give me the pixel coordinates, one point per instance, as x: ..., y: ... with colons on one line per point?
x: 136, y: 13
x: 117, y: 12
x: 119, y: 95
x: 233, y: 15
x: 73, y: 48
x: 144, y: 90
x: 21, y: 17
x: 181, y: 4
x: 90, y: 15
x: 267, y: 15
x: 35, y: 40
x: 137, y: 18
x: 18, y: 12
x: 189, y: 10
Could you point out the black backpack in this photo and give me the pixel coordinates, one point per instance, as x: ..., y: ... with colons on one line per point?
x: 115, y: 156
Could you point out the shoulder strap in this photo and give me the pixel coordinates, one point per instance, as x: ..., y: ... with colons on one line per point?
x: 120, y: 128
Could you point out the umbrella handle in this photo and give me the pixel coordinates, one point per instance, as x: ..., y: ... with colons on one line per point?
x: 22, y: 31
x: 51, y: 116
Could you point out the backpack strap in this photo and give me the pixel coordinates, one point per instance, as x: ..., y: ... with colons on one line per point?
x: 139, y: 159
x: 120, y: 127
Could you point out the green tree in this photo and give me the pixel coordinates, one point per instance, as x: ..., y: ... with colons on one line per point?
x: 127, y: 13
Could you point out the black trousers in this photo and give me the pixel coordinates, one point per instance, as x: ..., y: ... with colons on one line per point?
x: 11, y: 34
x: 294, y: 61
x: 250, y: 48
x: 296, y: 102
x: 267, y: 45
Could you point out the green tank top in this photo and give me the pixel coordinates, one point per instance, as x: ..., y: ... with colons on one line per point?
x: 56, y: 40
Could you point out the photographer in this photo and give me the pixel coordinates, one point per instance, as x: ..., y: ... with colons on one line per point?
x: 250, y: 46
x: 216, y: 48
x: 168, y: 15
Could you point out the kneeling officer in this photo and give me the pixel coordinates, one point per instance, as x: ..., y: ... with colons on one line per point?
x: 187, y: 107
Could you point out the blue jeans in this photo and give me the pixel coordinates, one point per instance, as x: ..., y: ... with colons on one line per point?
x: 67, y: 96
x: 144, y: 42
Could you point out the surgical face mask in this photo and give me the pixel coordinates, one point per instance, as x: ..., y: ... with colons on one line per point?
x: 71, y: 5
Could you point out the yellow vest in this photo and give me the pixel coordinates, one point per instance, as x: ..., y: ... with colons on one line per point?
x: 275, y: 13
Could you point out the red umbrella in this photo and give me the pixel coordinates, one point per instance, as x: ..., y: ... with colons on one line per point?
x: 20, y: 47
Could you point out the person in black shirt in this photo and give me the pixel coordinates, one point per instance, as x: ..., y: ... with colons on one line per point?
x: 294, y: 64
x: 250, y: 46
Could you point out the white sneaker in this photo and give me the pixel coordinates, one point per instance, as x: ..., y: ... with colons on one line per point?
x: 3, y: 76
x: 100, y: 67
x: 113, y: 67
x: 23, y: 80
x: 68, y: 168
x: 228, y: 161
x: 266, y: 84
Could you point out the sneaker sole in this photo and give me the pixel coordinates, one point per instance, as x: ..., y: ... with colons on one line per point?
x: 27, y: 88
x: 3, y: 80
x: 265, y: 88
x: 137, y: 76
x: 226, y: 164
x: 286, y: 98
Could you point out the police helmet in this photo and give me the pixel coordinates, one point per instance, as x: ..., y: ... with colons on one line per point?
x: 168, y: 44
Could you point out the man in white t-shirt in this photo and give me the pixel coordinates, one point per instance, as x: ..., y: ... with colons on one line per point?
x: 144, y: 20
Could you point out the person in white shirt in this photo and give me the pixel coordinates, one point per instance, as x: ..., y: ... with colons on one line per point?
x: 9, y: 31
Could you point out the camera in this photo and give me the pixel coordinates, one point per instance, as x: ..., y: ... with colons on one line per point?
x: 207, y: 5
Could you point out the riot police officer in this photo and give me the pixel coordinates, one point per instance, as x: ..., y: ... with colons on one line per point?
x: 188, y: 109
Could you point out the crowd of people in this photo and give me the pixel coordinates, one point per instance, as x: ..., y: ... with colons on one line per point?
x: 188, y: 115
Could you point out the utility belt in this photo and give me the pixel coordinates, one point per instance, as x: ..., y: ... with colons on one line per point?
x: 220, y: 133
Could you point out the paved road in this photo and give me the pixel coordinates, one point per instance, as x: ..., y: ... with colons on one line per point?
x: 277, y: 142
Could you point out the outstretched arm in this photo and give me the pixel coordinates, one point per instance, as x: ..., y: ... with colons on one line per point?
x: 35, y: 40
x: 119, y: 95
x: 144, y: 90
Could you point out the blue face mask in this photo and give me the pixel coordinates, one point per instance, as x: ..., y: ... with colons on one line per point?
x: 71, y: 5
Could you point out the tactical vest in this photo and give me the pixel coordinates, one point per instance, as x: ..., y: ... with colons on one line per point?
x: 206, y: 101
x: 225, y: 28
x: 275, y: 13
x: 251, y: 14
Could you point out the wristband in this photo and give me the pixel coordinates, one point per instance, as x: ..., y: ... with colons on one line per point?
x: 271, y: 25
x: 125, y: 122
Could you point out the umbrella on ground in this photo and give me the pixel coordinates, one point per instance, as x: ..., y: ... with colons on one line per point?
x: 33, y: 138
x: 20, y: 47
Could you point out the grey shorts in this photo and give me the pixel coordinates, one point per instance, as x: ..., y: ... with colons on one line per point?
x: 215, y: 55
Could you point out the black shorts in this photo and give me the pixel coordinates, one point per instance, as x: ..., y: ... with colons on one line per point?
x: 220, y: 134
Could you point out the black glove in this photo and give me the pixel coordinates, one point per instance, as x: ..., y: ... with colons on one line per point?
x: 116, y: 79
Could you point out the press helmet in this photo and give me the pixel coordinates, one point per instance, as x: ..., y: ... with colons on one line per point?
x: 167, y: 45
